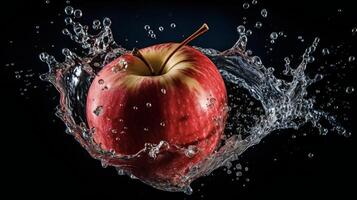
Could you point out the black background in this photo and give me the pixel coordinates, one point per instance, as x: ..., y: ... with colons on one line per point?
x: 42, y: 160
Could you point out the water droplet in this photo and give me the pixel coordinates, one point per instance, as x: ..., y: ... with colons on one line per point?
x: 191, y: 151
x: 147, y: 27
x: 350, y: 90
x: 68, y: 10
x: 254, y: 2
x: 65, y: 32
x: 97, y: 111
x: 239, y: 174
x: 107, y: 22
x: 249, y: 32
x: 310, y: 155
x: 173, y: 25
x: 241, y: 29
x: 354, y: 31
x: 273, y: 35
x: 161, y: 28
x: 100, y: 81
x: 351, y: 59
x: 135, y: 108
x: 148, y: 105
x: 162, y: 124
x: 96, y: 24
x: 245, y: 5
x: 325, y: 51
x: 258, y: 25
x: 77, y: 13
x: 68, y: 20
x: 264, y: 13
x: 163, y: 91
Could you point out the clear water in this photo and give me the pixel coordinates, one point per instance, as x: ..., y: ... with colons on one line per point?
x: 260, y: 103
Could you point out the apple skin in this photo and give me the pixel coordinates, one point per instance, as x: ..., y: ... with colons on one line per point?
x: 184, y: 106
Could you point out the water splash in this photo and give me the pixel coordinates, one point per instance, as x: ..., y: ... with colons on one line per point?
x: 279, y: 104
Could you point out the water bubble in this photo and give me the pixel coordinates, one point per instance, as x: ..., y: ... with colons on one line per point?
x: 77, y: 13
x: 153, y: 36
x: 350, y: 90
x: 161, y: 28
x: 239, y: 174
x: 254, y: 2
x: 68, y: 10
x: 245, y: 5
x: 147, y: 27
x: 173, y: 25
x: 100, y: 81
x: 98, y: 110
x: 241, y: 29
x: 135, y: 108
x: 325, y: 51
x: 351, y: 59
x: 47, y: 1
x: 163, y: 91
x: 238, y: 166
x: 146, y: 129
x: 148, y: 105
x: 107, y: 22
x: 114, y: 131
x: 264, y: 13
x: 17, y: 76
x: 310, y: 59
x: 68, y: 2
x: 273, y: 35
x: 258, y: 25
x: 151, y: 32
x: 162, y: 124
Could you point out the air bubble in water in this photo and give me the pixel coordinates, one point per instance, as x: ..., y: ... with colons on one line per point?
x: 153, y: 36
x: 148, y: 105
x: 264, y: 13
x: 77, y: 13
x: 68, y: 20
x: 245, y: 5
x: 65, y: 32
x: 147, y: 27
x: 351, y: 59
x: 162, y: 124
x: 151, y: 32
x: 350, y: 90
x: 17, y: 76
x: 163, y: 91
x: 258, y: 25
x: 249, y: 32
x: 161, y: 28
x: 68, y: 10
x: 254, y: 2
x: 173, y: 25
x: 135, y: 108
x: 47, y: 1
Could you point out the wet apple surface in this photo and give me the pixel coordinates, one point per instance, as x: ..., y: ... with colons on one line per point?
x: 169, y: 94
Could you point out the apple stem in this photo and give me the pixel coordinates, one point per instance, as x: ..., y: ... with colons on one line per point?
x: 199, y: 32
x: 136, y: 52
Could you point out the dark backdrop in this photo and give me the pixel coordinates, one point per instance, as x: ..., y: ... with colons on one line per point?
x: 41, y: 160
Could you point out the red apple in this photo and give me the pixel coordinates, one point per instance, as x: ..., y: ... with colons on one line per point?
x: 167, y: 92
